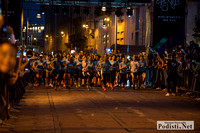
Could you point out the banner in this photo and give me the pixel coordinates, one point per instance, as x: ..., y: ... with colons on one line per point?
x: 168, y: 24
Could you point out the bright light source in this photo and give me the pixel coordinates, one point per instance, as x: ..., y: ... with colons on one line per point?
x: 62, y: 32
x: 103, y: 8
x: 104, y: 26
x: 38, y: 15
x: 42, y: 27
x: 35, y: 38
x: 107, y: 19
x: 84, y: 26
x: 47, y: 36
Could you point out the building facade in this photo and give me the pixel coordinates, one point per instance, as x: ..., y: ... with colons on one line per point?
x: 131, y: 30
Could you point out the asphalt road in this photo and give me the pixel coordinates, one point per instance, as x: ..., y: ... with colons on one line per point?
x: 81, y: 111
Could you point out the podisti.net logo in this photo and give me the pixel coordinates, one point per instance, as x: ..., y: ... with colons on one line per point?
x: 175, y: 125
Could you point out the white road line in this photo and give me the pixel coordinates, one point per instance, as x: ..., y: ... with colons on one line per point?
x: 138, y: 112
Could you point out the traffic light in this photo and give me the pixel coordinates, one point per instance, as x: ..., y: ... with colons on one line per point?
x: 129, y: 12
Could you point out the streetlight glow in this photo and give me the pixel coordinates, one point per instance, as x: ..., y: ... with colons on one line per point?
x: 35, y: 38
x: 107, y: 19
x: 62, y: 32
x: 47, y: 36
x: 38, y: 15
x: 103, y: 8
x: 84, y: 26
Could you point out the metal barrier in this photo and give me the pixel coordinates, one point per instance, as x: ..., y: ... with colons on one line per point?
x: 188, y: 81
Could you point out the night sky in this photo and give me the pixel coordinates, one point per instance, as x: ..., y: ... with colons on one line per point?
x: 32, y: 14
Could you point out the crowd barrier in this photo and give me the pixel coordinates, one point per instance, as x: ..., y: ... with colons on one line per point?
x: 187, y: 81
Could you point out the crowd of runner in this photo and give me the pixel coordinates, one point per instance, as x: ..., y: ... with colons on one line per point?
x: 147, y: 69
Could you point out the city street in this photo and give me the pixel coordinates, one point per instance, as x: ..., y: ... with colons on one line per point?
x: 82, y: 111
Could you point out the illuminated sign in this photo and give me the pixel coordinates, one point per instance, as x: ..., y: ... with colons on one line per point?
x: 168, y: 23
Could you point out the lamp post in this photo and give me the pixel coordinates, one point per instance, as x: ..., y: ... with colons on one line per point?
x: 115, y: 33
x: 85, y: 26
x: 46, y: 39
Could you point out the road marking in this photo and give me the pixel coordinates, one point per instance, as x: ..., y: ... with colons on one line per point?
x: 138, y: 112
x: 115, y: 118
x: 151, y: 120
x: 57, y: 128
x: 123, y: 125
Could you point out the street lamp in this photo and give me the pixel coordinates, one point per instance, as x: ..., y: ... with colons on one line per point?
x: 62, y: 32
x: 85, y: 26
x: 107, y: 19
x: 103, y: 8
x: 38, y: 15
x: 47, y: 36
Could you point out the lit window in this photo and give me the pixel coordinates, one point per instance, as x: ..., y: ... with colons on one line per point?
x: 42, y: 27
x: 105, y: 19
x: 107, y: 35
x: 104, y: 36
x: 104, y: 42
x: 108, y: 25
x: 107, y: 41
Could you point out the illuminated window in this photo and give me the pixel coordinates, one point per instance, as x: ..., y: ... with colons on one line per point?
x: 42, y: 27
x: 104, y: 36
x: 108, y: 41
x: 35, y: 28
x: 107, y: 35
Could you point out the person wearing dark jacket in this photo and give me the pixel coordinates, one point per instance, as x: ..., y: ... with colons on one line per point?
x: 172, y: 67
